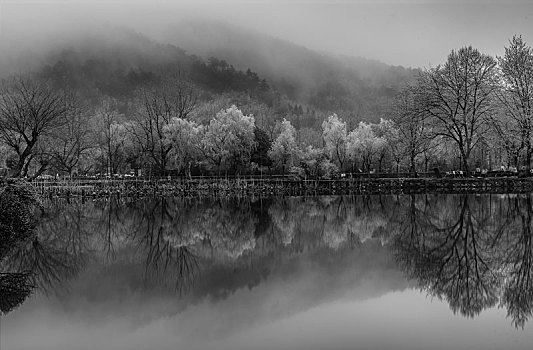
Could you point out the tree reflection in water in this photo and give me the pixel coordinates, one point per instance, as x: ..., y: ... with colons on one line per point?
x: 154, y: 227
x: 448, y: 249
x: 58, y: 249
x: 516, y: 261
x: 474, y: 252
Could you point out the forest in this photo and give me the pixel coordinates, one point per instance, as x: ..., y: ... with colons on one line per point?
x: 123, y: 112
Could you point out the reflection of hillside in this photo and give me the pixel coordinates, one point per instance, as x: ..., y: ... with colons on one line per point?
x: 328, y: 221
x: 185, y: 244
x: 475, y: 252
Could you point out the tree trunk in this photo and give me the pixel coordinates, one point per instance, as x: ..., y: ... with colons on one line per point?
x: 22, y: 166
x: 412, y: 168
x: 529, y: 153
x: 464, y: 160
x: 26, y: 166
x: 466, y: 166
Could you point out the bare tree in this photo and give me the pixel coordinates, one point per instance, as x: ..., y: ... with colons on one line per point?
x: 71, y: 143
x: 176, y: 97
x: 29, y: 111
x: 458, y: 96
x: 413, y: 129
x: 516, y: 97
x: 112, y: 137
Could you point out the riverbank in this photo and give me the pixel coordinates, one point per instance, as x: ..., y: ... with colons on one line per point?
x: 277, y: 187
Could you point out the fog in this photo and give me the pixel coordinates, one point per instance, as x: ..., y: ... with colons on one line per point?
x: 415, y: 33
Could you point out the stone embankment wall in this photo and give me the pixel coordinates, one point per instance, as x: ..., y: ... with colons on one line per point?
x: 279, y: 187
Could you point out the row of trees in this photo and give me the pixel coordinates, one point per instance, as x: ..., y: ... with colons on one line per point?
x: 45, y: 129
x: 474, y: 111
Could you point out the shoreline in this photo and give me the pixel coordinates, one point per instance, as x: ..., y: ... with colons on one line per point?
x: 278, y: 187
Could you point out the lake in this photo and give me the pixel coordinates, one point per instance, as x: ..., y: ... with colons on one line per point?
x: 359, y: 272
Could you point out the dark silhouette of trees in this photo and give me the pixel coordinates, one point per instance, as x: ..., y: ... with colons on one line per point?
x: 263, y: 143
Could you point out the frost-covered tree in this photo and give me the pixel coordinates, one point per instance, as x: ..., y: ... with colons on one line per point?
x: 284, y: 151
x: 229, y: 138
x: 386, y: 129
x: 311, y: 158
x: 391, y: 133
x: 185, y: 138
x: 334, y: 134
x: 364, y: 145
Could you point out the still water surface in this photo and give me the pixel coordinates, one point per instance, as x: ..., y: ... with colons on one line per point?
x: 366, y: 272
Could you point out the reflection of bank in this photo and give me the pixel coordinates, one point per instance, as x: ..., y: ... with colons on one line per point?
x: 14, y: 289
x: 42, y: 257
x: 16, y: 227
x: 471, y: 254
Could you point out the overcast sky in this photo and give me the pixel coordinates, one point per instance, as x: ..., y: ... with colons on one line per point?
x: 416, y: 33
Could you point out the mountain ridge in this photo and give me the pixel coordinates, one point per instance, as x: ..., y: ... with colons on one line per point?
x: 301, y: 73
x: 356, y: 88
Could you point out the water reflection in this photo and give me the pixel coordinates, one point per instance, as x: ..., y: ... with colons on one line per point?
x: 16, y: 227
x: 449, y: 249
x: 474, y: 252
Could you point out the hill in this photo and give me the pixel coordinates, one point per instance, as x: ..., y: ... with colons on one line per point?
x: 114, y: 62
x: 219, y: 58
x: 355, y: 87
